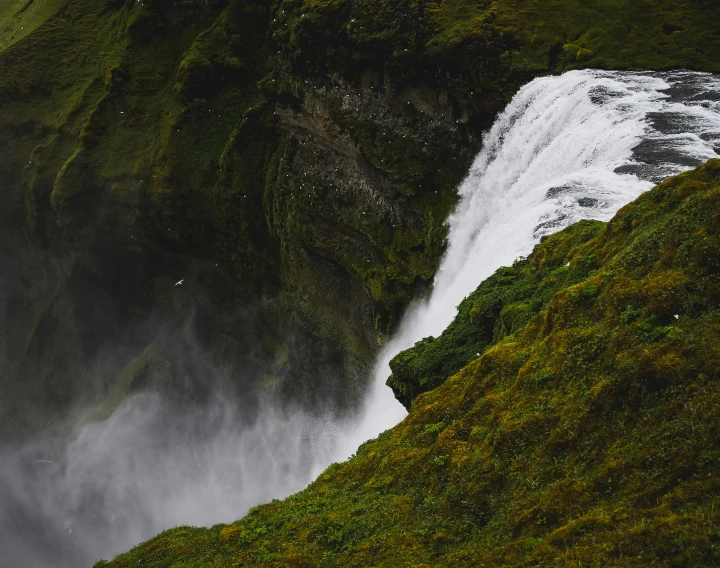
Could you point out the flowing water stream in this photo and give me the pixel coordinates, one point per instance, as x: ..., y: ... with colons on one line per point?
x: 571, y: 147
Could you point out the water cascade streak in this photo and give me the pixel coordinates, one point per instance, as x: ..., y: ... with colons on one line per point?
x: 577, y: 146
x: 572, y: 147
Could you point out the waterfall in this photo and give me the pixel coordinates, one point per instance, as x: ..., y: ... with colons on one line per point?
x: 571, y: 147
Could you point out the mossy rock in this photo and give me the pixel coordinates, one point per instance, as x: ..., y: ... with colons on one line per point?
x: 498, y: 309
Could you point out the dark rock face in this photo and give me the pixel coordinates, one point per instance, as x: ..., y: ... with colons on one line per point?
x: 363, y: 184
x: 301, y: 214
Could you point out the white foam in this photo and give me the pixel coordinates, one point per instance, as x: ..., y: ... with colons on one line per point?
x: 570, y: 132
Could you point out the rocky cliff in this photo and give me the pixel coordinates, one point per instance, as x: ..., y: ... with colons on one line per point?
x: 291, y: 162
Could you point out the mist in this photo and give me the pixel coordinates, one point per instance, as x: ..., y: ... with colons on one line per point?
x: 200, y: 439
x: 151, y: 466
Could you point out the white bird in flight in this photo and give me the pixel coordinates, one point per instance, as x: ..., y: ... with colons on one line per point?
x: 179, y: 282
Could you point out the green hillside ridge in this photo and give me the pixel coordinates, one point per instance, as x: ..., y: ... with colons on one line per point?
x: 587, y: 435
x: 295, y: 160
x: 500, y: 307
x: 481, y: 49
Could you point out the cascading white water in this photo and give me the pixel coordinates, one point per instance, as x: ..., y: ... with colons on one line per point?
x: 577, y: 146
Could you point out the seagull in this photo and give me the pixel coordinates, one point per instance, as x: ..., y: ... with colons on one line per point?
x: 179, y: 282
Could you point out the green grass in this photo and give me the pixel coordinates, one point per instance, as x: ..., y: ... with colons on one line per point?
x: 20, y: 18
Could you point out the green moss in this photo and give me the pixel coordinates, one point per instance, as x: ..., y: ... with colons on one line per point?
x: 19, y: 19
x: 483, y: 50
x: 579, y: 440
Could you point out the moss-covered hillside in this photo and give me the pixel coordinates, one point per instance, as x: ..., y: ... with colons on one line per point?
x: 293, y: 161
x: 587, y: 435
x: 501, y: 306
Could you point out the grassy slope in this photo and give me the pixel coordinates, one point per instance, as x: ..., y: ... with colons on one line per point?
x: 615, y: 34
x: 588, y: 437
